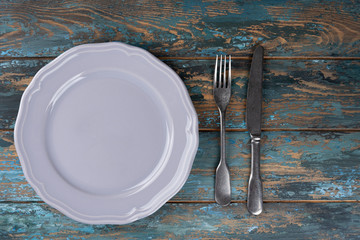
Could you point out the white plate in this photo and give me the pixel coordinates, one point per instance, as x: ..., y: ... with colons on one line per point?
x: 106, y: 133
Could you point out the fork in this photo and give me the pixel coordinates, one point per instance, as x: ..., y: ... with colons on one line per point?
x: 222, y: 94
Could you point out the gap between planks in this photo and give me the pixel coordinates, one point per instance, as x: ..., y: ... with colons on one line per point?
x: 213, y: 201
x: 263, y: 129
x: 209, y: 58
x: 284, y: 129
x: 269, y: 201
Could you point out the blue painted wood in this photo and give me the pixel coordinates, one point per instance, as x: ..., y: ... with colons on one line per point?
x: 182, y: 28
x: 295, y: 166
x: 191, y: 221
x: 297, y: 93
x: 298, y: 165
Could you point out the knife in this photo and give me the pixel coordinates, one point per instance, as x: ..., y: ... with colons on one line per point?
x: 253, y: 121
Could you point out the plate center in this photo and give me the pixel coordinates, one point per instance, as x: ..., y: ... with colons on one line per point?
x: 107, y: 132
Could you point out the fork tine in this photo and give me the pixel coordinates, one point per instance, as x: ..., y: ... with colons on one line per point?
x: 215, y: 74
x: 229, y: 74
x: 225, y: 81
x: 221, y: 81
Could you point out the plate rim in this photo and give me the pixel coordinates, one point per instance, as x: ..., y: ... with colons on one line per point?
x: 39, y: 187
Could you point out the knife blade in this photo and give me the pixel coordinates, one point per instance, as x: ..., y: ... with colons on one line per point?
x: 253, y: 121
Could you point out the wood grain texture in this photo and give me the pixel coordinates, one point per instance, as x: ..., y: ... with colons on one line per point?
x: 298, y: 94
x: 191, y: 221
x: 305, y: 90
x: 182, y: 28
x: 295, y: 166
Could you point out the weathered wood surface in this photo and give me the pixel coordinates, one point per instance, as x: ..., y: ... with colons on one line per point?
x: 191, y: 221
x: 295, y: 166
x: 182, y: 28
x: 297, y: 93
x: 300, y: 95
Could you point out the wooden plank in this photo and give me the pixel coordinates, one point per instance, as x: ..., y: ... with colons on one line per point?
x: 182, y: 28
x: 298, y: 94
x: 15, y: 76
x: 191, y: 221
x: 295, y: 166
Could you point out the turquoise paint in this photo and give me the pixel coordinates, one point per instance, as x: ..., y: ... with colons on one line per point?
x: 205, y: 21
x: 86, y: 229
x: 188, y: 221
x: 338, y: 167
x: 343, y: 110
x: 5, y: 52
x: 341, y: 174
x: 240, y: 46
x: 337, y: 108
x: 290, y: 193
x: 243, y: 38
x: 339, y: 191
x: 214, y: 32
x: 196, y: 90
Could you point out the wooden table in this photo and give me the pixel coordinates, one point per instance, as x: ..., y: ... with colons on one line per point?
x: 311, y: 139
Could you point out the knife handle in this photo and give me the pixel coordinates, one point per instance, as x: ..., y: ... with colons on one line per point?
x: 255, y: 195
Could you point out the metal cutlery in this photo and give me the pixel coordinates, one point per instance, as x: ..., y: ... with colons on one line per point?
x: 222, y: 94
x: 253, y: 121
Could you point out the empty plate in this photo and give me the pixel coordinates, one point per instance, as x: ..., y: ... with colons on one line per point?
x: 106, y: 133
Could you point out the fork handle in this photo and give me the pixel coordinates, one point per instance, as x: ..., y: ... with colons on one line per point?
x: 255, y: 194
x: 222, y: 179
x: 222, y: 184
